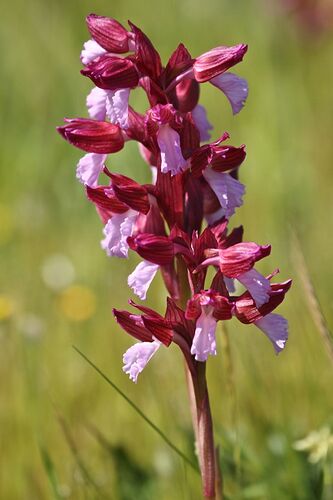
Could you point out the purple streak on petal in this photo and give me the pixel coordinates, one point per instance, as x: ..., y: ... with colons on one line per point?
x: 90, y: 51
x: 117, y: 107
x: 204, y: 342
x: 142, y: 276
x: 276, y: 329
x: 137, y: 356
x: 235, y: 88
x: 96, y: 104
x: 228, y: 190
x: 258, y: 286
x: 199, y: 115
x: 116, y: 232
x: 89, y: 168
x: 172, y: 159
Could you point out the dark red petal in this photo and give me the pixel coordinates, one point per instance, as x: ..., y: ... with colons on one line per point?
x: 217, y: 61
x: 218, y: 285
x: 205, y: 240
x: 146, y: 310
x: 105, y: 200
x: 193, y: 204
x: 156, y: 249
x: 92, y: 136
x: 159, y: 328
x: 130, y: 192
x: 185, y: 95
x: 241, y: 257
x: 189, y: 136
x: 222, y: 308
x: 180, y: 324
x: 193, y: 307
x: 179, y: 62
x: 226, y: 158
x: 236, y: 236
x: 108, y: 33
x: 200, y: 159
x: 147, y: 58
x: 169, y: 194
x: 133, y: 325
x: 112, y: 73
x: 246, y: 310
x: 154, y: 92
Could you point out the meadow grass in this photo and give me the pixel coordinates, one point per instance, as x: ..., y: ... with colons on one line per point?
x: 64, y: 432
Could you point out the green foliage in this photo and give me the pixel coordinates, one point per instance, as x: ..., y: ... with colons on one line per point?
x: 261, y: 404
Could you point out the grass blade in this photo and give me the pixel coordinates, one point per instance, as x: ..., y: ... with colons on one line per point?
x: 140, y: 412
x: 311, y: 296
x: 50, y: 471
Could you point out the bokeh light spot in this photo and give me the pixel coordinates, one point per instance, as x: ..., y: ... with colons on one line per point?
x: 78, y: 303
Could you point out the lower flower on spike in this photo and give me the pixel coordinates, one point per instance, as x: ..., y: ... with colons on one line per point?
x: 137, y: 356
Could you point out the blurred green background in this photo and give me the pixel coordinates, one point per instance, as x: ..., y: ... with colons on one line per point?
x: 64, y: 433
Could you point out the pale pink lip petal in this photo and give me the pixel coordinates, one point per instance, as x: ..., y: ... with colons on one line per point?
x: 199, y: 115
x: 89, y: 168
x: 228, y: 190
x: 90, y: 51
x: 142, y: 276
x: 257, y: 285
x: 234, y: 87
x: 204, y: 342
x: 116, y: 232
x: 172, y: 159
x: 117, y: 107
x: 276, y: 329
x: 137, y: 356
x: 96, y: 104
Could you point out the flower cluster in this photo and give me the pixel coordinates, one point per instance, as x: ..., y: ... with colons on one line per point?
x: 193, y: 181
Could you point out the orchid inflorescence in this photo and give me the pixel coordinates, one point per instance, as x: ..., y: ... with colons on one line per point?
x: 193, y: 180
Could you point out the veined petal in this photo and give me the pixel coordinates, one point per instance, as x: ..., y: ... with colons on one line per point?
x: 199, y: 115
x: 234, y: 87
x: 228, y: 190
x: 137, y: 356
x: 96, y: 104
x: 172, y: 159
x: 117, y: 107
x: 204, y: 342
x: 258, y: 286
x: 142, y: 276
x: 116, y: 232
x: 89, y: 168
x: 276, y: 329
x: 90, y: 51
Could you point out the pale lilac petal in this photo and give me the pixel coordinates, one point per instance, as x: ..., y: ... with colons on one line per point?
x: 230, y: 284
x: 96, y: 103
x: 137, y: 356
x: 89, y: 168
x: 276, y: 329
x: 141, y: 278
x: 235, y: 88
x: 171, y: 154
x: 204, y: 342
x: 199, y: 115
x: 228, y: 190
x: 117, y: 107
x: 90, y: 51
x: 257, y: 285
x: 116, y: 232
